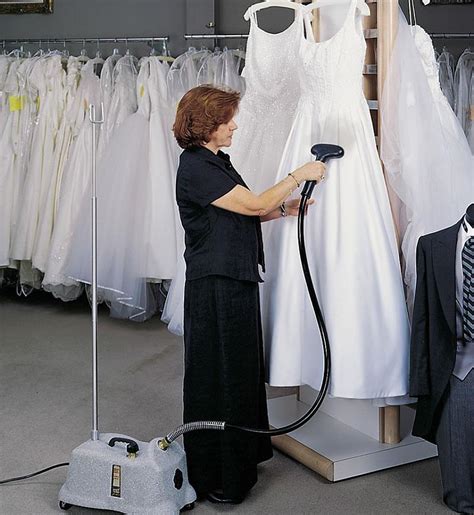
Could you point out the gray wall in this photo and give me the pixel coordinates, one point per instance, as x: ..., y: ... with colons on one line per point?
x: 445, y: 18
x: 103, y: 18
x: 115, y: 18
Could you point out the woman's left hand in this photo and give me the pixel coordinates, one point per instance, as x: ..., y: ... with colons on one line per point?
x: 292, y: 206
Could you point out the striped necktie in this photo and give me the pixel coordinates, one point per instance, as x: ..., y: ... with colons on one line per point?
x: 468, y: 288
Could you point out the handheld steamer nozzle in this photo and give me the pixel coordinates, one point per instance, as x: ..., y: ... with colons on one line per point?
x: 322, y: 152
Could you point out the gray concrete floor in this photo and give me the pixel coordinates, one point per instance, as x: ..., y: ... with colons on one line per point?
x: 45, y: 413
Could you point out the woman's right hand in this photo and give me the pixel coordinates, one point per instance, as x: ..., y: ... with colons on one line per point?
x: 312, y: 171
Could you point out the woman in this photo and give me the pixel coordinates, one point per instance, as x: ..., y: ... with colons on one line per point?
x: 224, y: 373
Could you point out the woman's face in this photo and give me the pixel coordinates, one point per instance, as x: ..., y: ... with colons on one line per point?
x: 222, y: 136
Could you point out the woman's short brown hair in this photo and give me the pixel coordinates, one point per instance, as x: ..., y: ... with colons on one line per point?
x: 201, y: 111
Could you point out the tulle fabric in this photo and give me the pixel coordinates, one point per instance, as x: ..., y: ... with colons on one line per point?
x: 426, y: 155
x: 74, y: 185
x: 139, y: 245
x: 122, y: 232
x: 173, y: 311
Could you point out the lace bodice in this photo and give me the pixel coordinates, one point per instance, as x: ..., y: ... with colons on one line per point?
x: 428, y: 58
x: 331, y: 70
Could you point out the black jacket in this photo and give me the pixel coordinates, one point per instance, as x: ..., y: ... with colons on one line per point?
x: 433, y: 343
x: 218, y: 242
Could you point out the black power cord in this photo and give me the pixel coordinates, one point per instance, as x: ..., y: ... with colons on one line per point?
x: 20, y: 478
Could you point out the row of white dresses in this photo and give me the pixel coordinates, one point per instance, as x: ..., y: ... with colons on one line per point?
x: 457, y: 84
x: 46, y: 142
x: 138, y: 216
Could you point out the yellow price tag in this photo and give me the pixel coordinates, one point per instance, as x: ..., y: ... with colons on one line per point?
x: 16, y: 103
x: 142, y: 90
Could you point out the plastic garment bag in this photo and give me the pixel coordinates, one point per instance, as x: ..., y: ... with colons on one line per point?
x: 428, y: 161
x: 464, y: 91
x: 446, y: 76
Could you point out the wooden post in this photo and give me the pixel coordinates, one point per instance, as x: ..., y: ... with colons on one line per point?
x: 387, y: 23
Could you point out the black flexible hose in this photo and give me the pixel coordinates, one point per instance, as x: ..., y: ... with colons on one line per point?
x: 324, y: 338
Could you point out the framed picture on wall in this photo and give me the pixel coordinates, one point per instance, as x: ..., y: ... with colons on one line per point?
x: 26, y: 6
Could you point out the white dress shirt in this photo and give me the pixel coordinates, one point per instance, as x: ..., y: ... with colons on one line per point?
x: 465, y: 350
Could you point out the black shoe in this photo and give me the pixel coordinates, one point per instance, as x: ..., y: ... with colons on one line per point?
x: 220, y: 498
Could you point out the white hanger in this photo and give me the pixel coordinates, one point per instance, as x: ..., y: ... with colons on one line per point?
x: 361, y: 5
x: 270, y: 3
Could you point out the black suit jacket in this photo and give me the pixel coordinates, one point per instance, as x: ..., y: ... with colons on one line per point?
x: 433, y: 343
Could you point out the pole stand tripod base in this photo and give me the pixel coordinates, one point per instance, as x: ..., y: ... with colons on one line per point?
x: 108, y: 478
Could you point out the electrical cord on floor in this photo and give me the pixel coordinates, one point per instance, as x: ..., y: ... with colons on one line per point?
x: 20, y: 478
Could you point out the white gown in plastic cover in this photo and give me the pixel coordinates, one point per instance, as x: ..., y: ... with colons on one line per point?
x: 64, y: 137
x: 423, y: 147
x: 123, y: 101
x: 48, y: 77
x: 74, y: 186
x: 446, y: 75
x: 9, y: 121
x: 350, y: 240
x: 136, y: 213
x: 464, y: 89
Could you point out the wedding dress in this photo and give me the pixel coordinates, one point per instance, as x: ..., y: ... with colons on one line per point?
x: 464, y: 88
x: 267, y: 109
x: 66, y: 132
x: 446, y: 75
x: 124, y: 99
x: 426, y: 155
x: 14, y: 157
x: 47, y: 77
x: 351, y: 240
x: 73, y: 189
x: 8, y: 144
x: 165, y: 226
x: 264, y: 119
x: 136, y: 214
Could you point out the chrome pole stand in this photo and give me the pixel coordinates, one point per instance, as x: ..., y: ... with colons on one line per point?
x: 95, y: 390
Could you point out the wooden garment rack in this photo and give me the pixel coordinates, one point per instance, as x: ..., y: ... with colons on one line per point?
x: 348, y: 437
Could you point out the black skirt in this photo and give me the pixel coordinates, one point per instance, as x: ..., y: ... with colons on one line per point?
x: 224, y: 381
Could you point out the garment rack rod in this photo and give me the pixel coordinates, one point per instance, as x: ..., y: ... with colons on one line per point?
x: 368, y: 33
x: 85, y: 40
x: 461, y: 35
x: 215, y: 36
